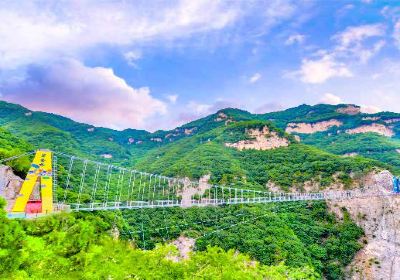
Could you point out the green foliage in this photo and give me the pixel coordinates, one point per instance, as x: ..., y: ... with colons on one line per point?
x: 368, y: 145
x: 79, y: 247
x: 290, y: 241
x: 298, y: 234
x: 10, y: 146
x: 287, y: 166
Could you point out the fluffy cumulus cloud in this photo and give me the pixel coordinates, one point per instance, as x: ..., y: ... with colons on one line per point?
x: 93, y: 95
x: 34, y: 31
x: 43, y: 44
x: 319, y: 70
x: 352, y: 45
x: 329, y: 98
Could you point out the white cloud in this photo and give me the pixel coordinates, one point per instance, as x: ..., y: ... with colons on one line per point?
x: 351, y: 42
x: 370, y: 109
x: 366, y: 54
x: 332, y: 99
x: 33, y: 31
x: 91, y: 95
x: 198, y: 108
x: 356, y: 34
x: 253, y: 79
x: 132, y: 56
x: 350, y: 47
x: 321, y: 70
x: 172, y: 98
x: 295, y: 39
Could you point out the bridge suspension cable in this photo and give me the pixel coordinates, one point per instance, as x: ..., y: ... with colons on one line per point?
x: 85, y: 185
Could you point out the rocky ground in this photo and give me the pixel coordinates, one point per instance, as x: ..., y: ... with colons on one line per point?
x: 10, y: 184
x: 262, y: 139
x: 308, y: 128
x: 378, y: 216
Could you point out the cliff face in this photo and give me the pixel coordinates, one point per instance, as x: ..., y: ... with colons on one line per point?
x: 379, y: 217
x: 10, y: 184
x: 262, y: 139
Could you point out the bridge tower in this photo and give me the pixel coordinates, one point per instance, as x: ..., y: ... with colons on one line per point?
x: 36, y: 194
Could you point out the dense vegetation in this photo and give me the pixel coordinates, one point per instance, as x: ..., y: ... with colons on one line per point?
x: 298, y: 234
x: 300, y: 241
x: 288, y: 166
x: 78, y: 247
x: 368, y: 145
x: 127, y: 147
x: 296, y: 241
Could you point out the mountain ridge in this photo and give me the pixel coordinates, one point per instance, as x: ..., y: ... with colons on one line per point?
x: 47, y: 130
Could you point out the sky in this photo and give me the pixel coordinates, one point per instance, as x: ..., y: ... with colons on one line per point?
x: 159, y: 64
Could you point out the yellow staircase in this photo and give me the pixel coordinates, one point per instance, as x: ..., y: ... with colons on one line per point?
x: 41, y: 169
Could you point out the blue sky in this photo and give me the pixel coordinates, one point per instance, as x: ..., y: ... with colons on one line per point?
x: 159, y: 64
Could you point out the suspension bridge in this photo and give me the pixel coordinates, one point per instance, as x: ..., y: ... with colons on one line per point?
x: 59, y: 182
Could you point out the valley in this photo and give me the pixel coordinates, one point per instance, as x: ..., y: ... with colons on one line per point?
x: 317, y: 148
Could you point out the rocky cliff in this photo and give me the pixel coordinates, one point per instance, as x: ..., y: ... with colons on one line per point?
x: 378, y: 216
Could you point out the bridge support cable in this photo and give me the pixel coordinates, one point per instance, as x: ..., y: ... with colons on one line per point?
x: 107, y: 185
x: 95, y: 185
x: 90, y: 185
x: 82, y: 183
x: 163, y: 208
x: 118, y: 187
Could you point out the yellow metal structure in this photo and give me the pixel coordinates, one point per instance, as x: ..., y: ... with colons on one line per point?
x: 41, y: 170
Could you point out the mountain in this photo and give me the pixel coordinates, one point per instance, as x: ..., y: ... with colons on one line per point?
x: 306, y: 148
x: 325, y: 144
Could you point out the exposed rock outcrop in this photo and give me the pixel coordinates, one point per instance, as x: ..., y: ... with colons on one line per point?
x: 262, y: 139
x: 189, y: 190
x: 378, y: 216
x: 394, y: 120
x: 10, y: 185
x: 371, y: 118
x: 224, y: 117
x: 188, y: 131
x: 349, y: 110
x: 375, y: 128
x: 185, y: 246
x: 308, y: 128
x: 352, y: 154
x: 221, y: 117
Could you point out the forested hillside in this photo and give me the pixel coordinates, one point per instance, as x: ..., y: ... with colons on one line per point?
x: 322, y: 146
x: 375, y: 136
x: 299, y: 241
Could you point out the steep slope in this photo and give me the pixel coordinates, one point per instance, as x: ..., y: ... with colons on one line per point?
x: 341, y: 129
x: 256, y: 154
x: 344, y: 130
x: 232, y: 148
x: 44, y: 130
